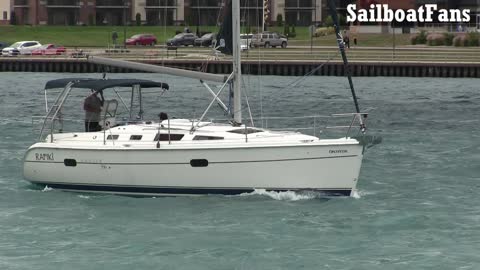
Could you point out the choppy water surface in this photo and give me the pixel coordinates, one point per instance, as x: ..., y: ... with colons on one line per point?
x: 417, y: 207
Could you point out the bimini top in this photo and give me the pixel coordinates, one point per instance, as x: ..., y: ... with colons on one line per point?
x: 100, y: 84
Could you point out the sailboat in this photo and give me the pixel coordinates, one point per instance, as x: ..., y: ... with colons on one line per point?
x: 188, y: 156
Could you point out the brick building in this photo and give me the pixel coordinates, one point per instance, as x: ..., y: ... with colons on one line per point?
x: 191, y: 12
x: 72, y: 12
x: 159, y: 12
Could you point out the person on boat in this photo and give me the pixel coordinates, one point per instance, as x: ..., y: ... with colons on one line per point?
x: 93, y: 108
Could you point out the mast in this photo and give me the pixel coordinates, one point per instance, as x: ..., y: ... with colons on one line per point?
x: 341, y: 46
x: 237, y: 65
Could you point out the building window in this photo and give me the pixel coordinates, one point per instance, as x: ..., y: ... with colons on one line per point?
x: 5, y: 15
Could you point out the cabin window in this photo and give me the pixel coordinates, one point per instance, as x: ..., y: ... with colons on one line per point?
x: 135, y: 137
x: 112, y: 137
x: 164, y: 137
x: 70, y: 162
x: 199, y: 163
x: 206, y: 138
x: 245, y: 131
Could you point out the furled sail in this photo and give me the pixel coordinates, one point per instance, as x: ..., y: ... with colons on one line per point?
x: 224, y: 37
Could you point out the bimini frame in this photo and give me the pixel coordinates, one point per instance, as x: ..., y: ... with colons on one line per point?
x: 96, y: 85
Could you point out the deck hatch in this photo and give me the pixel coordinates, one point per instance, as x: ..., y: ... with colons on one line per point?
x: 245, y: 131
x: 206, y: 138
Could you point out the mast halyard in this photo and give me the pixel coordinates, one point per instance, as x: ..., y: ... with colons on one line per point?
x: 237, y: 65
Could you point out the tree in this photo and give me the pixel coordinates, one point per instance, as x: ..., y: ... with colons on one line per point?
x: 329, y: 21
x: 286, y: 30
x: 248, y: 29
x: 341, y: 20
x: 138, y: 19
x: 13, y: 19
x: 293, y: 33
x: 279, y: 19
x: 91, y: 19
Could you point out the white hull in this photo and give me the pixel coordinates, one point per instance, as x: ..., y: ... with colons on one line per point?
x: 316, y: 166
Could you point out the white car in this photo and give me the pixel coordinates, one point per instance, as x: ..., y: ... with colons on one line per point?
x: 245, y: 41
x: 21, y: 47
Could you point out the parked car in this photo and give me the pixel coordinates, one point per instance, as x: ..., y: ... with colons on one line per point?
x: 142, y: 39
x: 245, y: 41
x: 185, y: 39
x: 21, y: 47
x: 205, y: 40
x: 49, y: 49
x: 269, y: 39
x: 3, y: 45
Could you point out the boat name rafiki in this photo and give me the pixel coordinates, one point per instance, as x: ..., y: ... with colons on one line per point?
x: 44, y: 156
x: 342, y: 151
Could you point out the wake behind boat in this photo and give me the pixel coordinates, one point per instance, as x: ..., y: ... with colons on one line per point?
x: 185, y: 156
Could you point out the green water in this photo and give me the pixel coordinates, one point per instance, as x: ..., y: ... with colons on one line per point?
x: 417, y: 206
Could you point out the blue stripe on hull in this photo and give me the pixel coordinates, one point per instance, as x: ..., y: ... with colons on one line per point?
x: 174, y: 191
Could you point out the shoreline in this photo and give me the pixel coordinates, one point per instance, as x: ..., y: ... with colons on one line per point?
x: 255, y: 67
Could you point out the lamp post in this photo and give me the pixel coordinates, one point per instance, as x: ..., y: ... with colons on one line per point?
x: 125, y: 24
x: 478, y: 23
x: 263, y: 16
x: 393, y: 41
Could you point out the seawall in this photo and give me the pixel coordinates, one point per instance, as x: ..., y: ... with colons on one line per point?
x: 281, y: 68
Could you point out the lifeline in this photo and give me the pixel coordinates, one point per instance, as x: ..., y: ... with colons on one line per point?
x: 382, y: 13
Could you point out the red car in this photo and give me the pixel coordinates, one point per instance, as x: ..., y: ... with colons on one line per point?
x: 142, y: 39
x: 50, y: 49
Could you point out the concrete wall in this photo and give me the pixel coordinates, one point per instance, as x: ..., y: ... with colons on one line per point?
x: 139, y: 7
x: 278, y: 8
x: 367, y: 29
x: 179, y: 15
x: 5, y: 10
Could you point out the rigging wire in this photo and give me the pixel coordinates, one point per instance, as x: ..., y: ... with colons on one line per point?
x: 248, y: 103
x: 259, y: 66
x: 204, y: 66
x: 311, y: 72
